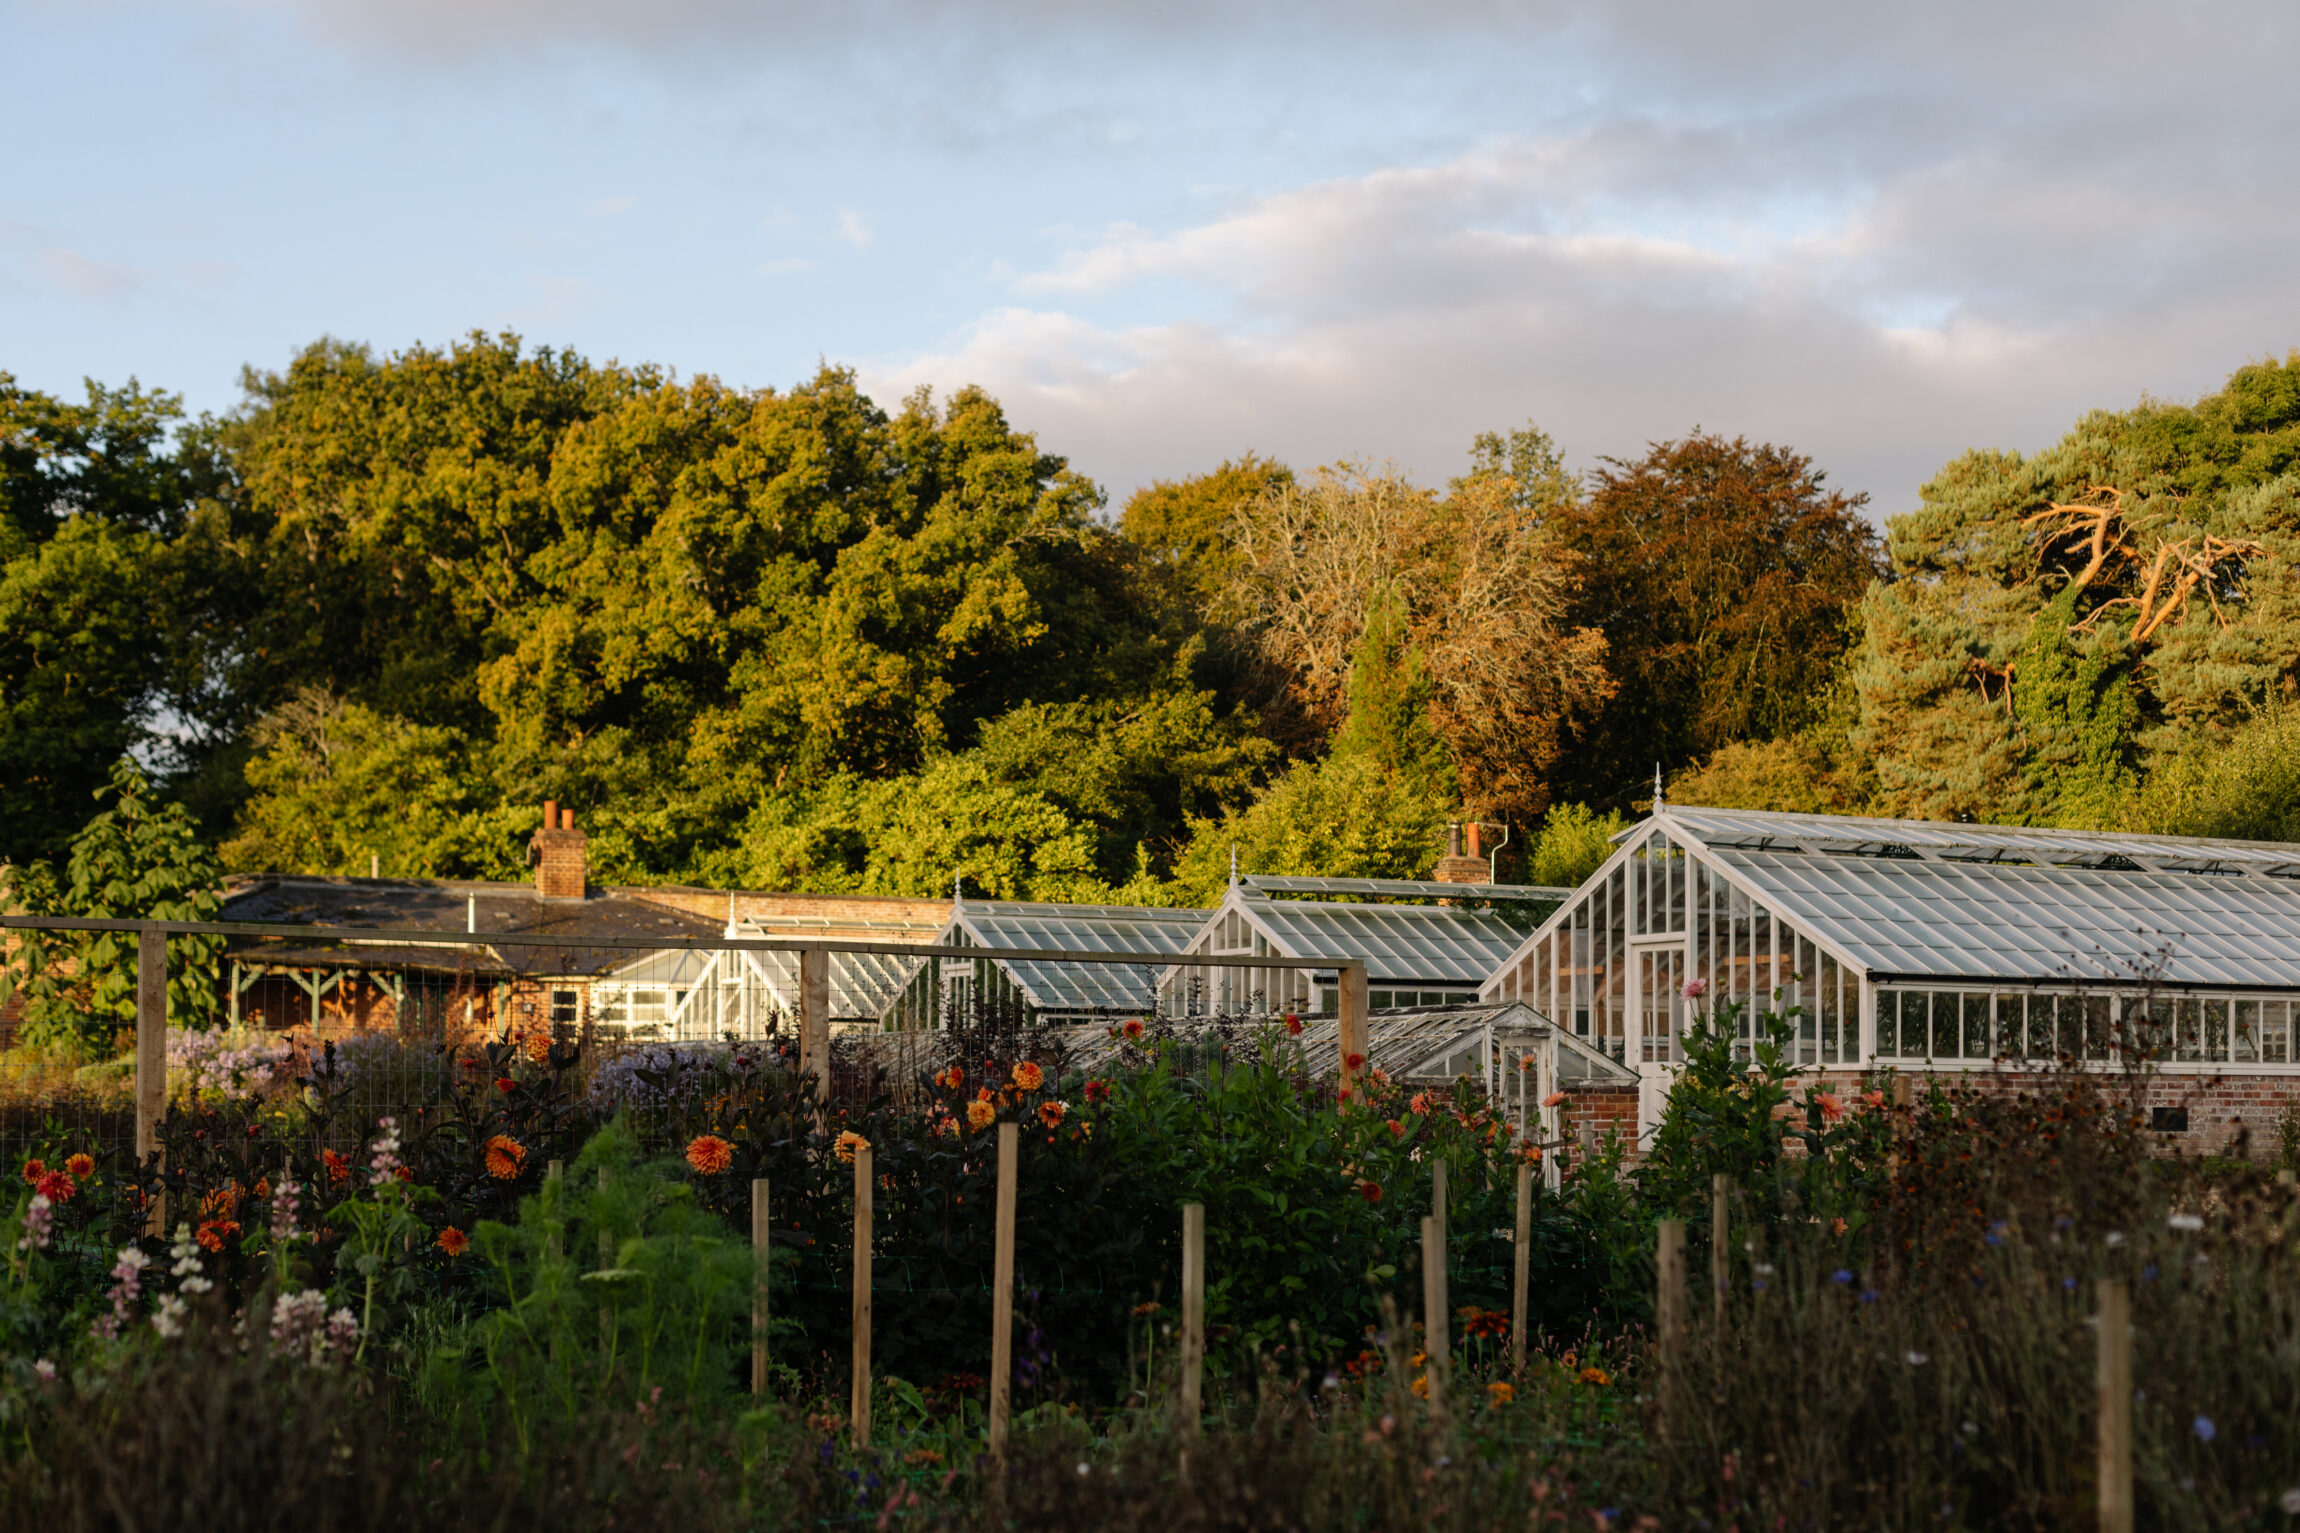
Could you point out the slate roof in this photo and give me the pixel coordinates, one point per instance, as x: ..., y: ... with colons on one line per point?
x: 442, y: 906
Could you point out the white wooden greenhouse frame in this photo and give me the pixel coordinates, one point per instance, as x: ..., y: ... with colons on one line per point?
x: 1924, y: 946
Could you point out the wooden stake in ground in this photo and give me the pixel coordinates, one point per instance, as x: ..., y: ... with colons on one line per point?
x: 1352, y: 1007
x: 1522, y: 1269
x: 1438, y: 1196
x: 152, y: 1056
x: 2115, y: 1342
x: 1193, y: 1315
x: 1437, y: 1331
x: 1721, y: 1242
x: 761, y: 1230
x: 1002, y: 1292
x: 858, y: 1408
x: 815, y: 1024
x: 1669, y: 1316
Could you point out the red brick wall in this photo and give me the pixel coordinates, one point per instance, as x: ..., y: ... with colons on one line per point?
x: 2225, y: 1112
x: 1601, y: 1109
x: 557, y: 857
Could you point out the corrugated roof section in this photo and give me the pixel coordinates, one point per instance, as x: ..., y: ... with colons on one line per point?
x: 1983, y: 920
x: 1436, y: 944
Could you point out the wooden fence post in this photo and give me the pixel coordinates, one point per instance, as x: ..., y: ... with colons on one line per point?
x: 2115, y: 1343
x: 1193, y: 1315
x: 1438, y: 1196
x: 1522, y: 1269
x: 1437, y: 1331
x: 762, y: 1228
x: 1721, y: 1243
x: 1353, y: 1023
x: 815, y: 1024
x: 1002, y: 1292
x: 152, y: 1056
x: 858, y: 1407
x: 1669, y: 1316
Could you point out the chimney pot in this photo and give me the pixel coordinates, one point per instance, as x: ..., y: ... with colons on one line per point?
x: 551, y: 814
x: 1474, y: 848
x: 566, y: 819
x: 1453, y: 867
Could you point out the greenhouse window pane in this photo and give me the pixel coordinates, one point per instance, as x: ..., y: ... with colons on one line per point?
x: 2188, y: 1014
x: 2246, y: 1036
x: 2216, y: 1029
x: 2012, y: 1026
x: 2275, y: 1032
x: 1976, y: 1010
x: 1914, y: 1023
x: 1888, y: 1024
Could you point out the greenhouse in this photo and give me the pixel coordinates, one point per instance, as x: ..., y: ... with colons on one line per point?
x: 1419, y: 954
x: 936, y: 990
x: 1925, y: 946
x: 689, y: 994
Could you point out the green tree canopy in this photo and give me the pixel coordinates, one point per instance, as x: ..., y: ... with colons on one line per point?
x: 134, y: 860
x: 2057, y: 621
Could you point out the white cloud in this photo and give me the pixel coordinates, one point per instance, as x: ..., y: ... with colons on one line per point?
x: 83, y: 276
x: 1394, y: 314
x: 854, y: 229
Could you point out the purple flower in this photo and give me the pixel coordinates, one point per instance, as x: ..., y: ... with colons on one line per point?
x: 2205, y: 1430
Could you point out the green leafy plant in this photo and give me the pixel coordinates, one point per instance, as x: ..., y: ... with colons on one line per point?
x: 134, y: 860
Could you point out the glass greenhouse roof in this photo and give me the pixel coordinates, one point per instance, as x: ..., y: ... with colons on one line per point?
x: 1930, y: 841
x: 1081, y: 929
x: 1405, y: 888
x: 862, y: 984
x: 2032, y: 922
x: 1445, y: 944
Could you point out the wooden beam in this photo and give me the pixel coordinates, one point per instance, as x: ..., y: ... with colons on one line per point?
x: 1437, y: 1324
x: 1352, y: 1006
x: 858, y: 1404
x: 1669, y: 1318
x: 1521, y: 1270
x: 151, y: 1054
x: 2115, y: 1366
x: 1002, y: 1292
x: 815, y: 1021
x: 1193, y: 1316
x: 761, y: 1229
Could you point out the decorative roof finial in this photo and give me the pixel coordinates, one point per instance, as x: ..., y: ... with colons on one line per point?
x: 1233, y: 864
x: 958, y: 888
x: 1658, y: 805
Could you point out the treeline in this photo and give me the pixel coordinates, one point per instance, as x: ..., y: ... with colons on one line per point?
x: 793, y: 639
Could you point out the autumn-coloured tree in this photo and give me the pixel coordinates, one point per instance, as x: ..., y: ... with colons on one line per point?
x: 1721, y: 574
x: 1485, y: 593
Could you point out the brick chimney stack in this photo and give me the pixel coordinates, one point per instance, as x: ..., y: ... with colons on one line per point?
x: 556, y: 855
x: 1456, y: 867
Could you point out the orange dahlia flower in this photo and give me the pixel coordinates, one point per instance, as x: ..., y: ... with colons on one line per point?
x: 709, y: 1154
x: 1052, y: 1113
x: 1028, y: 1077
x: 453, y: 1241
x: 505, y: 1155
x: 980, y: 1115
x: 849, y: 1143
x: 81, y: 1166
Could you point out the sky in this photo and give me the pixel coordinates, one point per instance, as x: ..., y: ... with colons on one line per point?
x: 1167, y: 234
